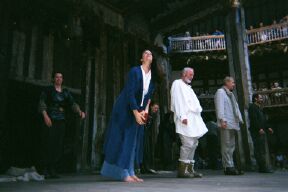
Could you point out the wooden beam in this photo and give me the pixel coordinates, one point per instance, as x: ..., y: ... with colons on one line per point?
x: 167, y: 24
x: 85, y: 136
x: 33, y: 51
x: 48, y: 55
x: 18, y: 50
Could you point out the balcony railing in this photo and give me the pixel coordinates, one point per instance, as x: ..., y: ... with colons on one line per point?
x: 267, y: 34
x: 196, y: 44
x: 271, y: 98
x: 260, y: 35
x: 275, y: 98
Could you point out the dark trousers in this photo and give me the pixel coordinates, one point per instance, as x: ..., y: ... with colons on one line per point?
x: 261, y: 151
x: 53, y: 144
x: 213, y: 150
x: 149, y: 148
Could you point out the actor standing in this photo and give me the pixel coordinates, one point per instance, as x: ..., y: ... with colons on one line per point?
x: 228, y: 118
x: 188, y: 121
x: 54, y: 101
x: 258, y: 128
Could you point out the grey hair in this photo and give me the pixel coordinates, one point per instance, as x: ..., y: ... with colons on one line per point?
x: 227, y: 79
x: 186, y: 69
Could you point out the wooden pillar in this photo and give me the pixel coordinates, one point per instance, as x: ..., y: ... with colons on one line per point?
x: 102, y: 95
x: 18, y: 50
x: 83, y: 163
x: 94, y: 154
x: 100, y: 102
x: 32, y: 56
x: 48, y: 50
x: 239, y: 67
x: 164, y: 88
x: 5, y: 56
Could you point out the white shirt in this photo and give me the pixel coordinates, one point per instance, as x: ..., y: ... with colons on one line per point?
x: 185, y: 105
x: 146, y: 83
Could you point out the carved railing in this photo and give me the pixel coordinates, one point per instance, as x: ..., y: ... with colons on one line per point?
x: 274, y: 98
x: 260, y: 35
x: 267, y: 34
x: 196, y: 44
x: 271, y: 98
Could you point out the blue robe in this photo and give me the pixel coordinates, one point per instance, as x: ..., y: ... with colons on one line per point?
x: 123, y: 145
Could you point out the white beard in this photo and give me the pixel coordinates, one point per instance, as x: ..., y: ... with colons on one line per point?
x: 188, y: 81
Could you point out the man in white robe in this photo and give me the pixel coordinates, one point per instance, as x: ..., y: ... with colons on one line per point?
x: 188, y: 121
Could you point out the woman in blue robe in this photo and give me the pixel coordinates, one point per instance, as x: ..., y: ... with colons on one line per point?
x: 123, y: 146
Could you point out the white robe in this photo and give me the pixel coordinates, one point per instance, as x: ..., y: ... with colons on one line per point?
x: 185, y: 105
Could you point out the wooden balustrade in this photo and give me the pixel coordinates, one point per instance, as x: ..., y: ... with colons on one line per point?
x: 260, y: 35
x: 196, y: 44
x: 267, y: 34
x: 271, y: 98
x: 274, y: 98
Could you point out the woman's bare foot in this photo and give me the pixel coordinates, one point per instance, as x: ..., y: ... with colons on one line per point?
x: 137, y: 179
x: 129, y: 179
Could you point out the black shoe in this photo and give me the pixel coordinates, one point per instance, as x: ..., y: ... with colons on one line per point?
x: 240, y: 172
x: 230, y: 171
x: 53, y: 174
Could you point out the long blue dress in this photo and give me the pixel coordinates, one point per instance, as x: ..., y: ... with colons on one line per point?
x: 123, y: 146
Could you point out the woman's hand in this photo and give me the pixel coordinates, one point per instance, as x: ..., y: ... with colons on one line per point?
x: 139, y: 117
x: 47, y: 119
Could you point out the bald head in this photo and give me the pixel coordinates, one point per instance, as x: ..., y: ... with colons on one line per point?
x: 187, y: 74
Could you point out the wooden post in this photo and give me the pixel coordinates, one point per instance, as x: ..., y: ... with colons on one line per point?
x: 32, y: 56
x: 85, y: 134
x: 94, y: 155
x: 164, y: 88
x: 48, y: 49
x: 5, y: 56
x: 18, y: 49
x: 102, y: 97
x: 239, y: 67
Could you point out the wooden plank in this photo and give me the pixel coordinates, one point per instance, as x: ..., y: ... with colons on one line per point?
x: 167, y: 26
x: 94, y: 155
x: 48, y: 56
x: 33, y: 50
x: 18, y: 50
x: 85, y: 135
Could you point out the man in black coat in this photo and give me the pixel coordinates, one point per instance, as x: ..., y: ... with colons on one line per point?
x: 258, y: 128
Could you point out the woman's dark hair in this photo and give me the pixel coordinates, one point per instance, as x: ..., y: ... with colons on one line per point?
x: 157, y: 73
x: 56, y: 72
x: 254, y: 97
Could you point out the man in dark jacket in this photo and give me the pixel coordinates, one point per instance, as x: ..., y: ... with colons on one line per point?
x: 258, y: 128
